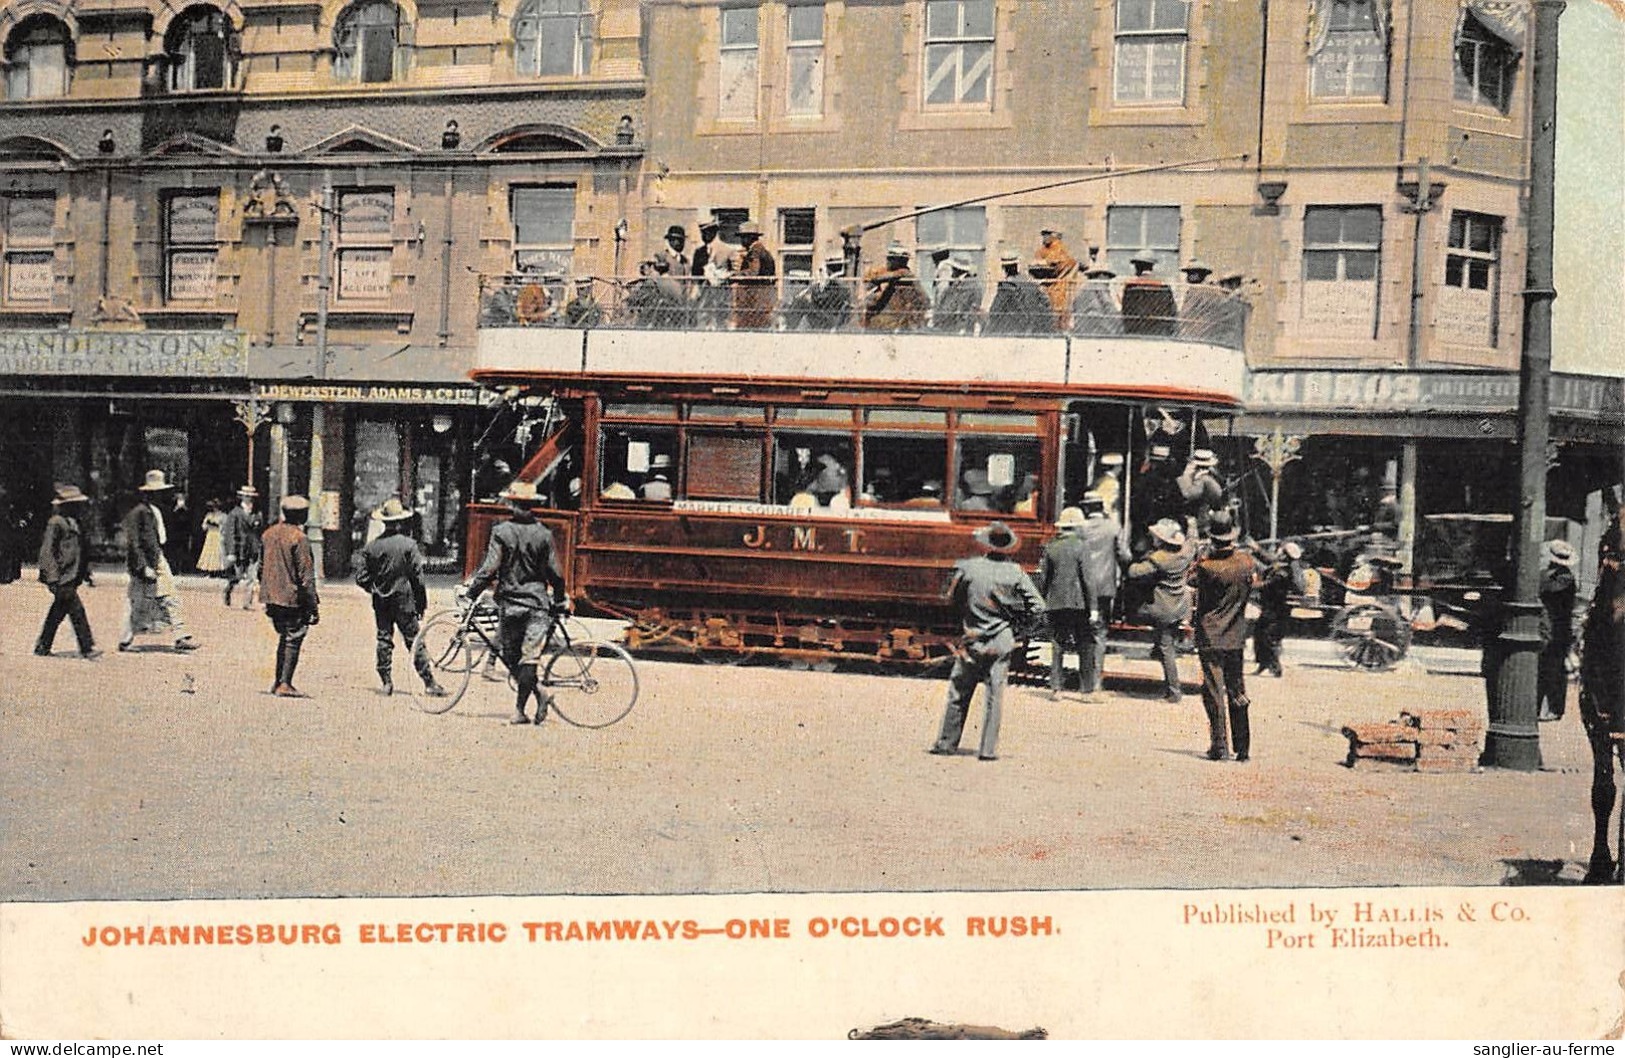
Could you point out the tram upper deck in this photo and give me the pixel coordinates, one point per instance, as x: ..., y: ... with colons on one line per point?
x: 1145, y: 341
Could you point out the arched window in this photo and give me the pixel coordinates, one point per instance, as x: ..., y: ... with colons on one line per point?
x: 39, y: 55
x: 553, y: 38
x: 368, y: 42
x: 201, y: 50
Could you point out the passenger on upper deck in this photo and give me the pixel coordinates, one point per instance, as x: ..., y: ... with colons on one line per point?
x: 1202, y: 308
x: 1148, y: 303
x: 1056, y: 270
x: 672, y: 253
x: 1231, y: 326
x: 829, y: 299
x: 710, y: 249
x: 958, y: 308
x: 894, y: 301
x: 1094, y: 310
x: 674, y: 312
x: 710, y: 269
x: 645, y: 303
x: 1019, y: 306
x: 536, y: 305
x: 752, y: 278
x: 583, y: 311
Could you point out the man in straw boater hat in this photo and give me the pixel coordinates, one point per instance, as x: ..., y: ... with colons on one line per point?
x: 391, y: 570
x: 1224, y: 583
x: 522, y: 564
x: 995, y: 599
x: 1557, y: 595
x: 153, y: 603
x: 63, y: 566
x: 288, y: 590
x: 1064, y: 583
x: 240, y: 542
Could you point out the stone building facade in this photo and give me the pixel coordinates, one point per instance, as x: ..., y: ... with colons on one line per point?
x: 170, y: 175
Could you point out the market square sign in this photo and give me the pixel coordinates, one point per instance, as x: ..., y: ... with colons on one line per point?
x: 140, y: 354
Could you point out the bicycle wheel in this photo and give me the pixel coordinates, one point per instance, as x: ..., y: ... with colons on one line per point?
x: 593, y: 684
x: 451, y: 661
x: 1371, y: 636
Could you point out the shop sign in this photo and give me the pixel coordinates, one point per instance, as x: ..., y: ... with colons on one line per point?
x: 192, y: 275
x: 30, y: 277
x: 203, y: 354
x: 1424, y: 391
x: 364, y: 275
x: 366, y: 394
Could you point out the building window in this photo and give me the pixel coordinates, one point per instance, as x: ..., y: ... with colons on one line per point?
x: 962, y: 231
x: 1342, y: 252
x: 39, y: 54
x: 553, y: 38
x: 367, y: 42
x: 1484, y: 65
x: 1150, y: 51
x: 28, y: 236
x: 737, y: 83
x: 1130, y: 229
x: 1469, y: 305
x: 200, y: 49
x: 543, y: 228
x: 1348, y: 51
x: 804, y: 47
x: 191, y: 246
x: 958, y: 52
x: 366, y: 246
x: 797, y: 228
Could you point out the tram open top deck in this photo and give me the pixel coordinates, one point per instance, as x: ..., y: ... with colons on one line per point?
x: 679, y: 468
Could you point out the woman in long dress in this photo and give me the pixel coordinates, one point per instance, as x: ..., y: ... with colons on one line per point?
x: 211, y: 559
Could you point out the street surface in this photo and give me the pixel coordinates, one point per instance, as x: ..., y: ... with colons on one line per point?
x: 155, y: 774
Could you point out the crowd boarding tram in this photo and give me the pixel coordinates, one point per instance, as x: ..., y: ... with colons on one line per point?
x: 731, y: 493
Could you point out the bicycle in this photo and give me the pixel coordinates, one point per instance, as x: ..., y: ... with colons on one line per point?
x: 591, y: 683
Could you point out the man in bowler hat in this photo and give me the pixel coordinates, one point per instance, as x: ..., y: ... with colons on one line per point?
x: 995, y: 600
x: 62, y: 568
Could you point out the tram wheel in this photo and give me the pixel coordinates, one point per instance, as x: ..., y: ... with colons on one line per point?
x: 1371, y: 636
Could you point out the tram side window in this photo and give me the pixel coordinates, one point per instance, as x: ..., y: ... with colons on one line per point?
x: 812, y: 469
x: 904, y: 470
x: 637, y: 462
x: 724, y: 466
x: 998, y: 474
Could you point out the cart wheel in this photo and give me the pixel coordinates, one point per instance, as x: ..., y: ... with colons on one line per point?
x: 1371, y: 636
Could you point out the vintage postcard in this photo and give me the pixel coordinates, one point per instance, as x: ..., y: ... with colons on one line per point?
x: 812, y: 519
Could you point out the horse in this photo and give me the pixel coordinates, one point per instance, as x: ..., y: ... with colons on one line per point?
x: 1602, y: 697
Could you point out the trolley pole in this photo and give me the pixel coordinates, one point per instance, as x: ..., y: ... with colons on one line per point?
x: 1513, y: 738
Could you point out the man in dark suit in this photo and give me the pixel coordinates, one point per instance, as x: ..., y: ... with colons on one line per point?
x: 522, y: 564
x: 240, y: 542
x: 1224, y: 583
x: 154, y: 604
x: 391, y: 569
x: 62, y: 568
x: 1066, y: 594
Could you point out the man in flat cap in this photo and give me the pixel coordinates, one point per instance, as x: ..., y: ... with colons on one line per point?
x: 288, y: 590
x: 63, y: 566
x: 996, y: 602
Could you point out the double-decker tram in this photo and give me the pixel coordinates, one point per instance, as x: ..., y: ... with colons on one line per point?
x: 732, y: 492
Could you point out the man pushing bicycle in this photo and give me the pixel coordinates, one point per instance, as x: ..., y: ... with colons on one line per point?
x: 523, y: 565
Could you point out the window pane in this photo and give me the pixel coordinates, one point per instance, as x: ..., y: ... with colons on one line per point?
x: 738, y: 26
x: 1455, y: 269
x: 631, y: 457
x: 1133, y: 15
x: 976, y: 80
x: 940, y: 67
x: 796, y: 226
x: 1169, y: 14
x: 738, y: 74
x: 731, y: 412
x: 1123, y: 226
x: 377, y: 54
x: 1168, y: 70
x: 904, y: 470
x: 1162, y: 227
x: 932, y: 229
x: 806, y: 23
x: 1362, y: 226
x: 1133, y: 64
x: 1481, y: 235
x: 1458, y: 229
x: 1478, y: 275
x: 978, y: 18
x: 558, y: 55
x: 907, y: 417
x: 942, y: 19
x: 544, y: 216
x: 840, y: 415
x: 996, y: 473
x: 806, y: 81
x: 1359, y: 266
x: 1320, y: 265
x: 1322, y: 227
x: 815, y: 465
x: 526, y: 52
x: 1489, y: 76
x: 999, y: 421
x: 642, y: 411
